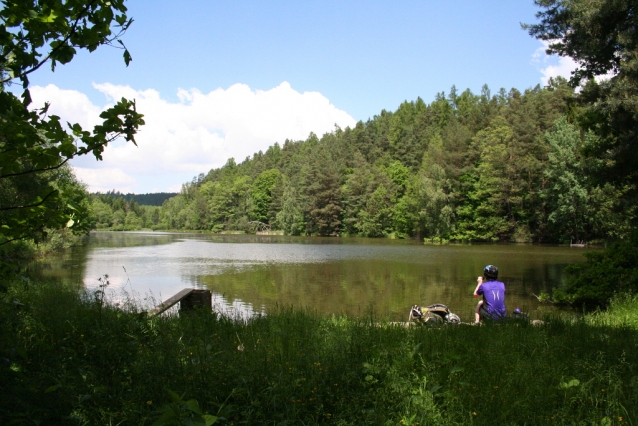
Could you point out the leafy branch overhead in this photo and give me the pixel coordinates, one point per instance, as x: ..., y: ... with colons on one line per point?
x: 60, y: 29
x: 34, y: 144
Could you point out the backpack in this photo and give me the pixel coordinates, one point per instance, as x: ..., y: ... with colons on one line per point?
x: 437, y: 313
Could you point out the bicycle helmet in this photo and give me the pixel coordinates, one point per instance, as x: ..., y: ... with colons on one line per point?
x: 490, y: 272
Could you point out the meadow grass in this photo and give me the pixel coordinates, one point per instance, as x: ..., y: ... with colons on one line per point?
x: 68, y: 358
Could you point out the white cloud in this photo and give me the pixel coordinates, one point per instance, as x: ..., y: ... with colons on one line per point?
x: 70, y: 105
x: 199, y: 132
x: 105, y: 179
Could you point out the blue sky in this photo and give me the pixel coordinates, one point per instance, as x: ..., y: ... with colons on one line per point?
x: 240, y: 61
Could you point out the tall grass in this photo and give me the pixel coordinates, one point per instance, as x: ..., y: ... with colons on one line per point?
x: 67, y: 358
x: 622, y: 312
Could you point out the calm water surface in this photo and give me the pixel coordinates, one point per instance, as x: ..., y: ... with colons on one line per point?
x: 249, y: 273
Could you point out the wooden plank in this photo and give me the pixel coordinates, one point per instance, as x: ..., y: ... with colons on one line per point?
x: 170, y: 302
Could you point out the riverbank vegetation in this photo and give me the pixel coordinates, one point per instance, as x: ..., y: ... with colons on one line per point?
x: 37, y: 234
x: 70, y: 357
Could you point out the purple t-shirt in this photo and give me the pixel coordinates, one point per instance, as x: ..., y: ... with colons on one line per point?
x: 493, y: 298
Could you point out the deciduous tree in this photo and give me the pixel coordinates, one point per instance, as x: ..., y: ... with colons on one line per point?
x: 34, y: 142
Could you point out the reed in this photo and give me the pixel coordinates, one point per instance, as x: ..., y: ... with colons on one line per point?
x: 69, y: 358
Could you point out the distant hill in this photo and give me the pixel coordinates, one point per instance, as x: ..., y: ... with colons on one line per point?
x: 154, y: 199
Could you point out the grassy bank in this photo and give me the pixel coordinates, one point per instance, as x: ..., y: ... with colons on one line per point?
x: 69, y: 359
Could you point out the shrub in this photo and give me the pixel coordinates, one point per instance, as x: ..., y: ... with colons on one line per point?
x: 593, y: 283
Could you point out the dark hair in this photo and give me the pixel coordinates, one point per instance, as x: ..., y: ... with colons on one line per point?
x: 490, y: 272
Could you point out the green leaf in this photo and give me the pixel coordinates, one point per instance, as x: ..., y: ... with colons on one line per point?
x: 209, y: 419
x: 63, y: 52
x: 193, y: 406
x: 571, y: 384
x: 50, y: 18
x: 26, y: 97
x: 456, y: 369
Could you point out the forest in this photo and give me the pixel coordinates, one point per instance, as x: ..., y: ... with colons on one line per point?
x: 466, y: 167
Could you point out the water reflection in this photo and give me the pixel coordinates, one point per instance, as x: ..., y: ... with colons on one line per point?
x: 250, y: 274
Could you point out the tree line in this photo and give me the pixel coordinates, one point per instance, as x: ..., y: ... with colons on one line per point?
x: 470, y: 167
x: 150, y: 199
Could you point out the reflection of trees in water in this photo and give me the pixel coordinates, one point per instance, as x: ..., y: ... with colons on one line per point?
x: 354, y: 287
x: 388, y: 288
x: 67, y: 268
x: 542, y: 277
x: 106, y: 239
x: 117, y: 239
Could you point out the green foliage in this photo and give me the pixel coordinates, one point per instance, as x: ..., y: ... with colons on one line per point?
x: 103, y: 214
x: 321, y: 183
x: 622, y: 311
x: 133, y: 221
x: 399, y: 174
x: 119, y: 217
x: 180, y: 412
x: 261, y: 193
x: 112, y: 211
x: 566, y: 190
x: 403, y: 133
x: 493, y: 198
x: 435, y: 208
x: 152, y: 199
x: 227, y: 205
x: 56, y: 30
x: 375, y: 220
x: 605, y: 274
x: 34, y: 144
x: 291, y: 217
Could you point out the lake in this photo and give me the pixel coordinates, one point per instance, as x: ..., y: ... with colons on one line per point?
x: 354, y: 276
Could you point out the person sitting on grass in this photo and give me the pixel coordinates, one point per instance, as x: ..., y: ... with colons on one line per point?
x: 492, y: 307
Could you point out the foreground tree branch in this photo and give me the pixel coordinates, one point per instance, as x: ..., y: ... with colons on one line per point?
x: 35, y: 148
x: 2, y: 209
